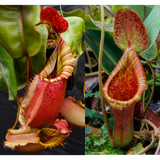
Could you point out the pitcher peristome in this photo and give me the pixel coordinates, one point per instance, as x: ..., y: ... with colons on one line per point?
x: 123, y: 88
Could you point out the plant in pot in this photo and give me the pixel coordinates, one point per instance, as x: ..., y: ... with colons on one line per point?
x: 25, y: 63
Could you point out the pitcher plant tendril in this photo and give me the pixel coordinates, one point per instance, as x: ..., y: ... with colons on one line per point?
x: 100, y: 75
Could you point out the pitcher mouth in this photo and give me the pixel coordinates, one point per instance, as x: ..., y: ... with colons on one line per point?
x: 63, y: 67
x: 36, y: 140
x: 131, y: 71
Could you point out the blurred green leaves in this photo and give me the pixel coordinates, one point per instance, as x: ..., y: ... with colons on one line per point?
x: 111, y: 53
x: 19, y: 38
x: 73, y: 35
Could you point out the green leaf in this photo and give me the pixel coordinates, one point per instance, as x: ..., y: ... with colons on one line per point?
x: 20, y: 36
x: 89, y: 113
x: 149, y: 4
x: 90, y: 24
x: 108, y: 27
x: 148, y: 10
x: 111, y: 122
x: 111, y: 53
x: 115, y: 8
x: 7, y: 75
x: 96, y: 25
x: 87, y: 139
x: 96, y: 94
x: 88, y: 130
x: 89, y: 94
x: 73, y: 35
x: 157, y: 83
x: 17, y: 30
x: 152, y: 25
x: 77, y: 12
x: 150, y: 80
x: 136, y: 149
x: 38, y: 61
x: 151, y: 53
x: 99, y: 141
x: 20, y: 65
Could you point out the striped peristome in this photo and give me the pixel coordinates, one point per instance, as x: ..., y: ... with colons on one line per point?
x: 65, y: 62
x: 131, y: 56
x: 54, y: 138
x: 127, y: 82
x: 123, y: 109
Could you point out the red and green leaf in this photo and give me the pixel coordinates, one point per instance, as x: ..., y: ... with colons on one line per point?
x: 129, y: 30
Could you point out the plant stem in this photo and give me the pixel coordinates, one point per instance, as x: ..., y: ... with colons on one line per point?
x: 153, y: 88
x: 100, y: 76
x: 158, y: 148
x: 93, y: 74
x: 153, y: 65
x: 147, y: 147
x: 17, y: 113
x: 97, y: 8
x: 27, y: 77
x: 109, y: 10
x: 61, y: 11
x: 151, y: 62
x: 144, y: 108
x: 154, y: 133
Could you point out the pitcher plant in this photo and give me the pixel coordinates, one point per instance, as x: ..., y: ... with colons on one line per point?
x: 127, y: 82
x: 45, y: 97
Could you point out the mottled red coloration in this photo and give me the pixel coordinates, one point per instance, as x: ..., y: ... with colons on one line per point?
x: 124, y: 85
x: 58, y: 24
x: 127, y: 82
x: 129, y: 30
x: 46, y: 107
x: 45, y: 96
x: 123, y: 88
